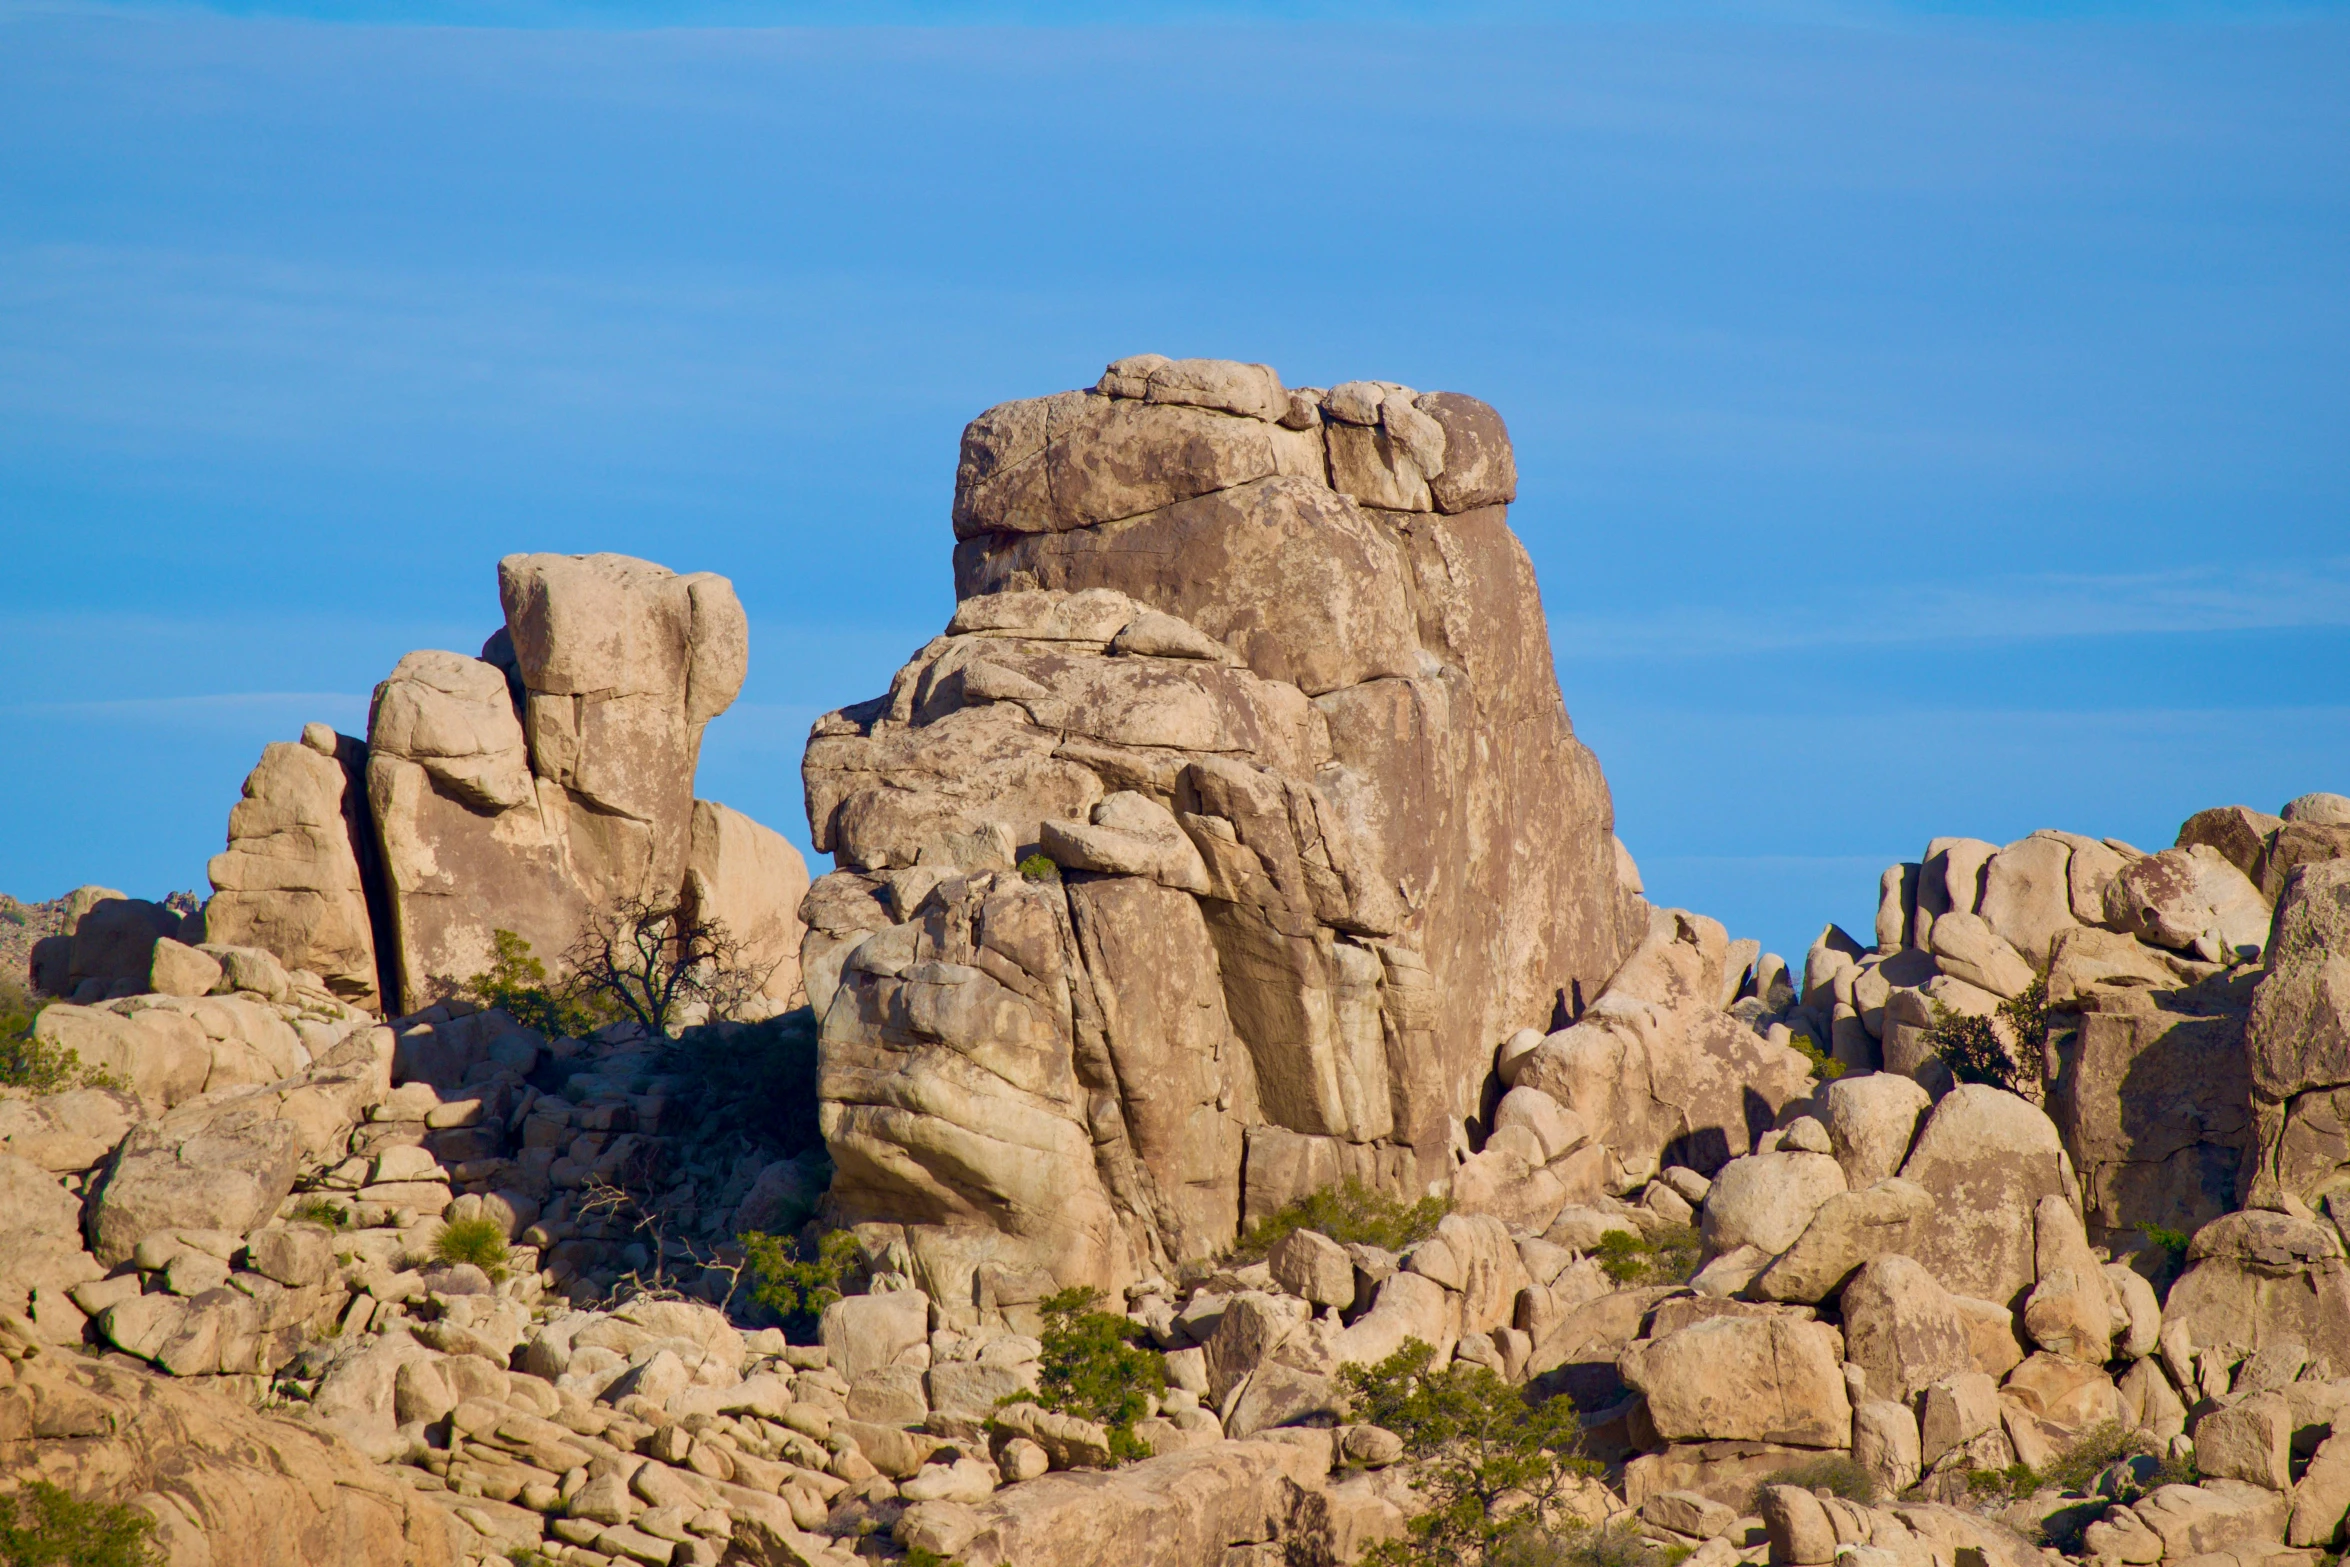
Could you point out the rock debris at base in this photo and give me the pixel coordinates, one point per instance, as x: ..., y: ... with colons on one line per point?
x: 1231, y: 843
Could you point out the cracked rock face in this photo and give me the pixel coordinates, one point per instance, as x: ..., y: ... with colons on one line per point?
x: 553, y: 775
x: 1264, y: 673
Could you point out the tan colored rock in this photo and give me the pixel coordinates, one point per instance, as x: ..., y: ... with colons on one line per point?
x: 1969, y: 949
x: 1848, y: 1230
x: 749, y: 878
x: 1953, y: 1412
x: 1170, y: 1511
x: 2066, y: 1394
x: 239, y: 1485
x: 1987, y: 1158
x: 69, y: 1132
x: 1901, y: 1328
x: 1872, y: 1118
x: 2240, y: 834
x: 2322, y: 1497
x: 1801, y: 1534
x: 2255, y: 1278
x: 1768, y: 1200
x: 1885, y: 1444
x: 1770, y: 1379
x: 2200, y: 1520
x: 2154, y: 1104
x: 174, y: 969
x: 290, y: 882
x: 223, y: 1163
x: 2071, y: 1308
x: 2250, y: 1440
x: 114, y: 940
x: 2298, y: 1034
x: 2138, y: 1305
x: 1357, y: 758
x: 1313, y: 1267
x: 2190, y: 899
x: 2027, y: 898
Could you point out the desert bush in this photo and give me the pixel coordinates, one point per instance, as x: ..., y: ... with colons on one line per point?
x: 1669, y: 1256
x: 322, y: 1211
x: 1095, y: 1366
x: 481, y: 1242
x: 517, y: 982
x: 44, y: 1525
x: 1972, y: 1049
x: 1349, y: 1213
x: 1040, y: 867
x: 1476, y: 1442
x: 1836, y: 1473
x: 796, y: 1279
x: 1824, y: 1067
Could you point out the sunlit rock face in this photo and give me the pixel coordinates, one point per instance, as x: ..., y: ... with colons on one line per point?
x: 1263, y: 674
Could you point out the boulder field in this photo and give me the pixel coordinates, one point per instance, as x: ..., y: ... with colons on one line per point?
x: 1226, y: 876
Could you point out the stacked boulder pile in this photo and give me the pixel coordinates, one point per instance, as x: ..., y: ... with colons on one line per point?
x: 1231, y: 847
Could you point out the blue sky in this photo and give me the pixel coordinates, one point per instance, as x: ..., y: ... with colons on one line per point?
x: 1930, y: 420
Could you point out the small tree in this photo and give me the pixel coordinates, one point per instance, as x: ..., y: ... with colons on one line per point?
x: 648, y: 960
x: 1493, y: 1463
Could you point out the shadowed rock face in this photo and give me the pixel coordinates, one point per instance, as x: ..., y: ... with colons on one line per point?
x: 1265, y: 673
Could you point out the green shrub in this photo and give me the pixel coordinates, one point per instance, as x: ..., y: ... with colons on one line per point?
x: 2171, y: 1243
x: 1476, y: 1439
x: 322, y: 1211
x: 1669, y: 1256
x: 1836, y: 1474
x: 2014, y: 1480
x: 27, y: 1063
x: 1824, y: 1067
x: 517, y: 982
x: 1095, y: 1367
x: 481, y: 1242
x: 2101, y: 1447
x: 1040, y: 867
x: 1350, y: 1213
x: 1971, y: 1048
x: 2027, y: 1014
x: 797, y: 1281
x: 45, y: 1526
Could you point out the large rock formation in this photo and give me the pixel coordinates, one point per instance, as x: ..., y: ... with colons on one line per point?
x: 552, y: 777
x: 289, y: 882
x: 534, y: 789
x: 1265, y: 675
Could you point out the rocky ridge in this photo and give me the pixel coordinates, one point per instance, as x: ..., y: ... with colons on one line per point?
x: 1202, y: 865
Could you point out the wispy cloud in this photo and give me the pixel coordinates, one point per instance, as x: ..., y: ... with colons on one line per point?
x: 2004, y: 609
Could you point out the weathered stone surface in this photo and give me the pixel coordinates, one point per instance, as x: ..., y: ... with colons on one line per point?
x: 1768, y: 1199
x: 2240, y: 834
x: 290, y: 882
x: 240, y: 1486
x: 2249, y: 1440
x: 1314, y: 1267
x: 2190, y: 900
x: 1968, y: 949
x: 1986, y: 1157
x: 1344, y: 714
x: 68, y: 1132
x: 1953, y: 1412
x: 1163, y: 1512
x: 162, y: 1056
x: 2299, y: 1030
x: 176, y: 969
x: 1656, y: 1071
x: 749, y: 878
x: 2255, y: 1278
x: 1885, y: 1444
x: 2210, y: 1518
x: 113, y: 940
x: 1770, y: 1379
x: 1871, y: 1119
x: 212, y: 1164
x: 552, y: 777
x: 1849, y: 1229
x: 2155, y: 1104
x: 1901, y: 1328
x: 2323, y: 1496
x: 2027, y: 898
x: 2071, y: 1308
